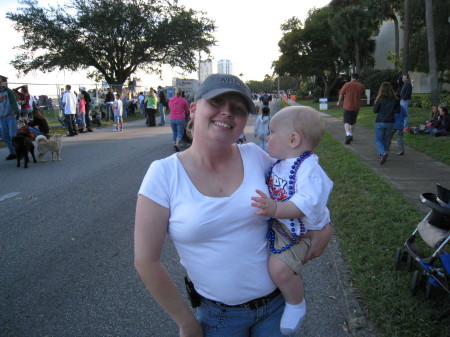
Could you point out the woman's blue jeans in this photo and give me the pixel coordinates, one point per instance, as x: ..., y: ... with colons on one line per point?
x: 9, y: 130
x: 177, y: 126
x: 219, y: 321
x: 404, y: 106
x: 383, y: 136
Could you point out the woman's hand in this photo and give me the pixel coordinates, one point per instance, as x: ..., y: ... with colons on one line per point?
x: 193, y: 330
x: 319, y: 241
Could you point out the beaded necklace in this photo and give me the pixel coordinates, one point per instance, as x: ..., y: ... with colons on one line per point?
x: 291, y: 190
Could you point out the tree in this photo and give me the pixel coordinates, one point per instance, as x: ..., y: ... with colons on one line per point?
x: 352, y: 27
x: 406, y: 32
x: 419, y: 56
x: 387, y: 10
x: 308, y: 51
x: 112, y: 39
x: 432, y: 52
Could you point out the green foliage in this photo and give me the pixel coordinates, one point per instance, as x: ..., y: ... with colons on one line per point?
x: 373, y: 79
x: 307, y: 50
x: 395, y: 60
x: 347, y: 37
x: 114, y: 38
x: 372, y: 220
x: 270, y: 84
x: 424, y: 100
x: 352, y: 27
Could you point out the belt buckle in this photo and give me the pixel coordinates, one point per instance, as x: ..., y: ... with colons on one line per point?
x: 257, y: 303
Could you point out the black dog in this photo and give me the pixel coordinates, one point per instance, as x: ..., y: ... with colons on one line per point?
x: 23, y: 144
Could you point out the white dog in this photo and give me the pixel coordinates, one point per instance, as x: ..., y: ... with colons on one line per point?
x: 44, y: 145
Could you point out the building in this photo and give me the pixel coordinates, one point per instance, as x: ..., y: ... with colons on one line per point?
x: 204, y: 70
x: 189, y: 86
x: 225, y: 67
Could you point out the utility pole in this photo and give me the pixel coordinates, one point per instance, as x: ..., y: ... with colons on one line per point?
x: 278, y: 85
x: 199, y: 63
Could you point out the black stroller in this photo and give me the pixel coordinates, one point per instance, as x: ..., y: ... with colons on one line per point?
x: 434, y: 229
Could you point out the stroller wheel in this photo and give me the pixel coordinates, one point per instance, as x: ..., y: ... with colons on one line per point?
x: 415, y: 281
x: 398, y: 259
x: 410, y: 263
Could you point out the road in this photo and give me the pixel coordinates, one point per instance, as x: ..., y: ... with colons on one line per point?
x: 66, y: 255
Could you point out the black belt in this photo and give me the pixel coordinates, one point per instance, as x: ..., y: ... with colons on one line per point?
x: 253, y: 304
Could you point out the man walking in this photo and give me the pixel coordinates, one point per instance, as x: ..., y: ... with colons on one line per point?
x: 162, y: 104
x: 351, y: 93
x: 405, y: 100
x: 69, y: 102
x: 8, y: 112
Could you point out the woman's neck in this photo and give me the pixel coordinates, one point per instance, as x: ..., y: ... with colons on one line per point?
x: 209, y: 155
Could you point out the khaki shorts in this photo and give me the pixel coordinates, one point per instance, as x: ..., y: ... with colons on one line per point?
x: 293, y: 256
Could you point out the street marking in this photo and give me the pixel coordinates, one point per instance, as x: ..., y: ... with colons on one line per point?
x: 9, y: 195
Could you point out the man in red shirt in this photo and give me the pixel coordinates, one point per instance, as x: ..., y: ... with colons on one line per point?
x: 351, y: 93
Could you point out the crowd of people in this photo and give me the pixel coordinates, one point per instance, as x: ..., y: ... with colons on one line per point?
x: 392, y: 109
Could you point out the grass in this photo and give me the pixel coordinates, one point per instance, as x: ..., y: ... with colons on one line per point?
x: 372, y: 220
x: 436, y: 147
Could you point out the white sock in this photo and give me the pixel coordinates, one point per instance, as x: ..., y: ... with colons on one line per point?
x: 292, y: 317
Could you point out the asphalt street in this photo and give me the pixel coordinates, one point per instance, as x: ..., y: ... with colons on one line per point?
x: 66, y: 254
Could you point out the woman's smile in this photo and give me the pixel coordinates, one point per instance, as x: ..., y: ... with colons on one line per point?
x: 222, y: 124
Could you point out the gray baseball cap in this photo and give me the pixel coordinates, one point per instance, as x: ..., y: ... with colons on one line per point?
x: 218, y: 84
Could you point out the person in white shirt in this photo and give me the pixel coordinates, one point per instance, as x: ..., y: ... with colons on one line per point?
x: 69, y: 101
x: 118, y: 112
x: 200, y: 198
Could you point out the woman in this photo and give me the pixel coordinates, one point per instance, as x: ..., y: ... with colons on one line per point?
x: 151, y: 102
x: 179, y: 107
x: 26, y: 107
x: 386, y: 106
x: 434, y: 116
x: 204, y: 205
x: 442, y: 127
x: 40, y: 122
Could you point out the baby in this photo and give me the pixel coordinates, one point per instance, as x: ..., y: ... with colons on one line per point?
x: 299, y: 190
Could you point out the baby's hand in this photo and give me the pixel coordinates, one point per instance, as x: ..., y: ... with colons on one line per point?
x: 266, y: 205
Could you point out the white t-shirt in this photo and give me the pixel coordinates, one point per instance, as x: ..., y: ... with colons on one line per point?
x: 312, y: 189
x: 221, y: 243
x: 118, y: 108
x: 71, y: 103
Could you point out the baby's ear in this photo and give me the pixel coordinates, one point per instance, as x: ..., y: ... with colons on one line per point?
x: 296, y: 139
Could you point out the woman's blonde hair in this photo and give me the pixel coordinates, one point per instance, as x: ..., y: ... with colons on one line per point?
x: 178, y: 92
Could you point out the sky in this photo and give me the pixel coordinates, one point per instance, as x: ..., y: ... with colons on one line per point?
x: 248, y: 32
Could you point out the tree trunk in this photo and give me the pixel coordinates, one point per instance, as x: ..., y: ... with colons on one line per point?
x: 326, y: 88
x: 406, y: 30
x: 396, y: 35
x: 431, y: 52
x: 357, y: 58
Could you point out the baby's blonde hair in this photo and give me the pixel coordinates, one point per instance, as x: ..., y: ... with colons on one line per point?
x: 307, y: 122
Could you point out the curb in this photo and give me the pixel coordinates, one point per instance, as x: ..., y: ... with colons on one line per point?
x: 357, y: 322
